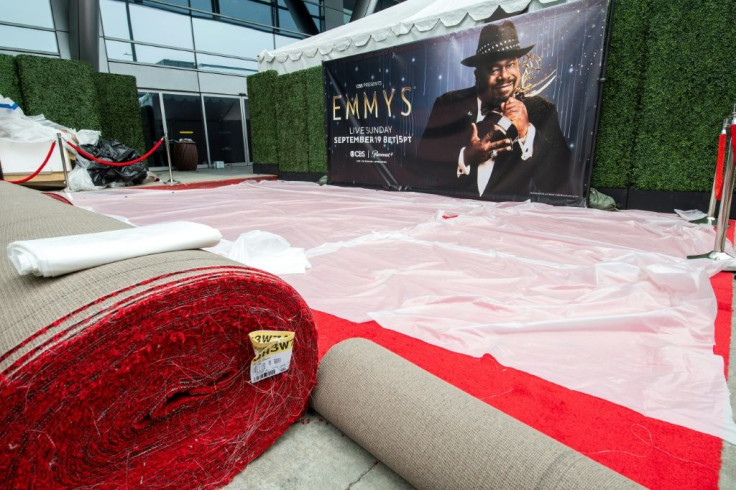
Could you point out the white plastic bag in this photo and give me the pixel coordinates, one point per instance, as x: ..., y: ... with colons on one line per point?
x: 88, y: 137
x: 266, y: 251
x: 80, y: 180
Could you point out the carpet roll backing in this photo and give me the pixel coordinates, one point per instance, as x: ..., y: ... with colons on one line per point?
x: 138, y: 373
x: 436, y: 436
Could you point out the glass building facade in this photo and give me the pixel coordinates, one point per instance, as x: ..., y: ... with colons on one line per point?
x: 190, y: 57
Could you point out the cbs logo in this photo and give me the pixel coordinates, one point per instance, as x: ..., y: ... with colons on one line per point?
x: 357, y: 153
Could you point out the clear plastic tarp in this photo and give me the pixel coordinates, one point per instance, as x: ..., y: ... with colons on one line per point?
x: 601, y: 302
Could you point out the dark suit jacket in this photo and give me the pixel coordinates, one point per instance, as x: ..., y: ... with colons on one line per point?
x: 548, y: 171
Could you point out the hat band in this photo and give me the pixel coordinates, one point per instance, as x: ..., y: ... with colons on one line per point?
x: 500, y: 46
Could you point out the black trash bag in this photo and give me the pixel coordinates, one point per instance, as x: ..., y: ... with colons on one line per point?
x: 114, y: 151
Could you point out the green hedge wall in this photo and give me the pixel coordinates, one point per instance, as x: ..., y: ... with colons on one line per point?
x: 316, y: 121
x: 263, y: 115
x: 669, y: 85
x: 688, y: 89
x: 120, y: 113
x: 621, y: 103
x: 62, y: 90
x: 291, y: 126
x: 9, y: 84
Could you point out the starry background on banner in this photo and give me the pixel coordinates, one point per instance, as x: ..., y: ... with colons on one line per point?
x: 569, y: 39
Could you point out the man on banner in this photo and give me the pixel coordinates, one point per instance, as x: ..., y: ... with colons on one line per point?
x: 492, y: 140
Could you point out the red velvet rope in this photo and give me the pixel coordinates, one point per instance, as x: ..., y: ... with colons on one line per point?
x: 719, y: 165
x: 114, y: 164
x: 38, y: 170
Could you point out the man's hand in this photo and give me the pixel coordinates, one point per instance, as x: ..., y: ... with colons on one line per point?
x: 515, y: 110
x: 478, y: 150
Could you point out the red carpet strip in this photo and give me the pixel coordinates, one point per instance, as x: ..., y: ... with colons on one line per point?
x: 205, y: 184
x: 653, y: 453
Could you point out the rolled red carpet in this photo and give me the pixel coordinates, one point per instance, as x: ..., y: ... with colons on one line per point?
x: 137, y: 373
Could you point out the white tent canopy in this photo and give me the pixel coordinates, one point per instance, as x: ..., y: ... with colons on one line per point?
x: 406, y: 22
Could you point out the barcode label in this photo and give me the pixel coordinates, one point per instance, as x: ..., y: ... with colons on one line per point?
x: 265, y: 375
x: 272, y: 353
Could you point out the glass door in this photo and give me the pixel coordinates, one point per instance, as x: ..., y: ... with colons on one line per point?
x: 224, y: 129
x: 153, y: 126
x: 185, y: 122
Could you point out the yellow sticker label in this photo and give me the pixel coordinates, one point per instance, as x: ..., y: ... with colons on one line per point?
x: 272, y: 353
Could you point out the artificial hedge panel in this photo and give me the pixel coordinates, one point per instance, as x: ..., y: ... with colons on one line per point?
x: 291, y: 126
x: 263, y: 116
x: 62, y: 90
x: 622, y: 92
x: 688, y: 88
x: 120, y: 113
x: 9, y: 84
x: 316, y: 121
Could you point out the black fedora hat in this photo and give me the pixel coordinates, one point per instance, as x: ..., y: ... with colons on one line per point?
x: 497, y: 42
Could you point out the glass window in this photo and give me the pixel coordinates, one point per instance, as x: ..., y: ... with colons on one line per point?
x: 286, y: 21
x: 282, y: 41
x: 172, y: 8
x: 159, y: 27
x: 313, y: 10
x: 208, y: 62
x: 114, y: 19
x: 28, y: 39
x: 184, y: 120
x: 247, y: 10
x: 119, y: 51
x: 29, y: 12
x: 153, y: 127
x: 205, y: 5
x: 224, y: 129
x: 219, y: 37
x: 163, y: 56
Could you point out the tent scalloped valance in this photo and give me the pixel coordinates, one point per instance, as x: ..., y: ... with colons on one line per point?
x: 408, y: 20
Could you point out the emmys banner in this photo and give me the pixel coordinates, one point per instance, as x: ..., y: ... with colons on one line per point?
x: 505, y: 111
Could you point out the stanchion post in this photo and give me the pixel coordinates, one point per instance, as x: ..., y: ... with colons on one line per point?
x: 725, y: 210
x: 714, y: 192
x: 62, y: 150
x: 171, y: 180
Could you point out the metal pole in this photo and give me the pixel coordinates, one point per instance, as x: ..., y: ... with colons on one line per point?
x: 171, y: 180
x: 713, y: 200
x: 725, y: 209
x: 60, y: 144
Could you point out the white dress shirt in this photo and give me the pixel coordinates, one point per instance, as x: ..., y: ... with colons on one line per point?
x: 486, y: 168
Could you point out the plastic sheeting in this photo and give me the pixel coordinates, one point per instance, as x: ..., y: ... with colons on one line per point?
x: 56, y: 256
x: 266, y: 251
x: 600, y: 302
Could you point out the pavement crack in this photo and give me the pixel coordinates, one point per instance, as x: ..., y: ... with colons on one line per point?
x: 375, y: 464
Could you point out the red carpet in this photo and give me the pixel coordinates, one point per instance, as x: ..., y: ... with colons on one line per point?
x: 205, y: 184
x: 655, y: 454
x: 155, y: 390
